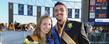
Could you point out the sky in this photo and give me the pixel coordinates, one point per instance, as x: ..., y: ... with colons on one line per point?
x: 3, y: 10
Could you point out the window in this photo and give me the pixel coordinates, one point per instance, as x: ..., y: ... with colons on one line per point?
x: 38, y: 12
x: 69, y: 13
x: 47, y: 10
x: 21, y: 9
x: 77, y: 13
x: 10, y: 10
x: 53, y: 13
x: 30, y: 10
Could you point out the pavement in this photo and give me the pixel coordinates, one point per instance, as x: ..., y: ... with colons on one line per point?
x: 13, y: 37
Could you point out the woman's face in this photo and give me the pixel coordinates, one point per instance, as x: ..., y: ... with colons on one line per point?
x: 46, y: 25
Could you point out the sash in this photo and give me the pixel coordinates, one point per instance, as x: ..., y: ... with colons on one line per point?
x: 55, y: 36
x: 67, y: 38
x: 64, y: 35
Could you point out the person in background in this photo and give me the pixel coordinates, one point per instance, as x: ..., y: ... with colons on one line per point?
x: 1, y: 26
x: 11, y: 26
x: 41, y: 33
x: 67, y: 31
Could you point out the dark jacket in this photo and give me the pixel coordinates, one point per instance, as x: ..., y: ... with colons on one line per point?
x: 74, y: 30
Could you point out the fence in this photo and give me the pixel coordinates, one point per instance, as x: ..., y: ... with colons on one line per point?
x: 98, y: 38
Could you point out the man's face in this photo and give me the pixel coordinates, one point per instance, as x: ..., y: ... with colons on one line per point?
x: 60, y: 12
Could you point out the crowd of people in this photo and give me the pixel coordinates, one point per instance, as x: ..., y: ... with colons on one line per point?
x: 99, y: 34
x: 17, y: 27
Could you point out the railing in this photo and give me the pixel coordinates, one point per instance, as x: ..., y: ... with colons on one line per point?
x: 98, y: 38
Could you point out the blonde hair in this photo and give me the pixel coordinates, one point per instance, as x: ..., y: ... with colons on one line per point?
x: 38, y: 26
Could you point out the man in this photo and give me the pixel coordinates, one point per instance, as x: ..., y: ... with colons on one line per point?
x: 66, y: 31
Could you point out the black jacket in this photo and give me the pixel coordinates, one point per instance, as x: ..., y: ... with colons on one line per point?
x: 75, y: 30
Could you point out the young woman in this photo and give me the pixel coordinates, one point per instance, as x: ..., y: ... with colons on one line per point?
x: 41, y: 33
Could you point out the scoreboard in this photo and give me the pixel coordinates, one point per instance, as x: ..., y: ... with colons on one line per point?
x: 98, y: 12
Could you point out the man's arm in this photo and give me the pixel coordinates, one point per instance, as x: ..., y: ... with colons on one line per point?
x: 83, y: 39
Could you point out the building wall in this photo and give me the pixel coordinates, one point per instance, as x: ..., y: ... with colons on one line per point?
x: 72, y: 4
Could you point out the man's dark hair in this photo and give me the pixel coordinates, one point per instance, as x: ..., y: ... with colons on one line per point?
x: 59, y: 3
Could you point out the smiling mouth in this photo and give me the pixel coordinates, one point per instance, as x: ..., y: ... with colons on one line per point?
x: 59, y: 19
x: 59, y: 14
